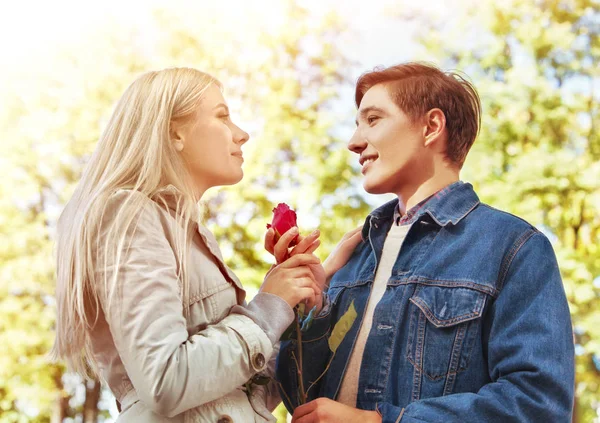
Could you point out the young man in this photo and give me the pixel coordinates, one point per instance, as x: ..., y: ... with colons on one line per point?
x: 461, y: 311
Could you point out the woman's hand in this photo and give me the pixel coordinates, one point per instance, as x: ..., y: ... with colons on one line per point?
x: 342, y: 252
x: 329, y: 411
x: 293, y: 281
x: 281, y: 249
x: 305, y: 245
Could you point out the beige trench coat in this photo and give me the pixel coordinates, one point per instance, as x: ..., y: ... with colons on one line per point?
x: 163, y: 367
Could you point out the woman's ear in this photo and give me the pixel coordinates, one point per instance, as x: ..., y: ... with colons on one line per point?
x: 176, y: 135
x: 435, y: 127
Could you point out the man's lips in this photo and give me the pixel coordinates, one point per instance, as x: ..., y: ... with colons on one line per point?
x: 367, y: 164
x: 364, y: 159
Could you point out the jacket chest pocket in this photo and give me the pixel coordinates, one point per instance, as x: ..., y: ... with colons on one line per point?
x: 444, y: 323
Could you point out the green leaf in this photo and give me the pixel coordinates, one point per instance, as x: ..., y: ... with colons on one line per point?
x: 342, y: 327
x: 308, y: 321
x: 301, y: 308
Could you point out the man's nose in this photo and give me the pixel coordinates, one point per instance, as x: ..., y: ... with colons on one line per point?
x: 357, y: 143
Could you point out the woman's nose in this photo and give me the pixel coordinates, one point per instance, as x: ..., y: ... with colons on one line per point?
x: 243, y: 136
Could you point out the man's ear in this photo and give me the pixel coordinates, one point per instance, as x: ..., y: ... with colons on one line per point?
x: 435, y: 126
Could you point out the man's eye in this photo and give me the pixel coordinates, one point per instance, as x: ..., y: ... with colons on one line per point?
x: 372, y: 119
x: 224, y: 116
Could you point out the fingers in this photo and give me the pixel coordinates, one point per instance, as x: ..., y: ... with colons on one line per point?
x: 309, y: 283
x: 300, y: 272
x: 355, y: 238
x: 313, y: 247
x: 300, y: 260
x: 282, y: 246
x: 305, y: 243
x: 307, y: 295
x: 352, y: 237
x: 303, y: 410
x: 270, y: 240
x: 353, y: 232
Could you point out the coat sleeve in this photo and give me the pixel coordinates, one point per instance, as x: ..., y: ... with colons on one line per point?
x: 170, y: 371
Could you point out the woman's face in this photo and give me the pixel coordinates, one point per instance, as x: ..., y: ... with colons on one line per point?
x: 212, y: 143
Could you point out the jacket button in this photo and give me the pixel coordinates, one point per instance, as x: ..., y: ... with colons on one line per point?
x: 258, y: 361
x: 225, y: 419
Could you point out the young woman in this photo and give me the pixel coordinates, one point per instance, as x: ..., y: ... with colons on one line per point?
x: 145, y: 301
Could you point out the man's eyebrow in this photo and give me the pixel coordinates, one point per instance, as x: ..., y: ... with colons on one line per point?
x: 364, y: 112
x: 221, y: 105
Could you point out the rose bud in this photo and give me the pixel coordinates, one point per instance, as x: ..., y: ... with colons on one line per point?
x: 284, y: 218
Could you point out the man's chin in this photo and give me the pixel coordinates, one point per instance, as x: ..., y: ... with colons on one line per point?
x: 374, y: 188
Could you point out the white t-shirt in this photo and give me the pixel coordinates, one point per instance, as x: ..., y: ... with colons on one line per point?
x: 391, y: 249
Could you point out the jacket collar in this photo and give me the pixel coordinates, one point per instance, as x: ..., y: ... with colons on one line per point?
x: 459, y: 200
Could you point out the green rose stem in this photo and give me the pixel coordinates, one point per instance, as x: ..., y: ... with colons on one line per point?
x: 338, y: 334
x: 299, y: 360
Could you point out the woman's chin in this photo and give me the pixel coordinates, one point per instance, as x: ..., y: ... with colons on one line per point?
x: 234, y: 178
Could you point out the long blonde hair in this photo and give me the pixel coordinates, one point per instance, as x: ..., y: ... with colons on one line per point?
x: 134, y: 153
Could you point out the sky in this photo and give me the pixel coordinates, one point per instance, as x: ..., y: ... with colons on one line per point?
x: 31, y: 30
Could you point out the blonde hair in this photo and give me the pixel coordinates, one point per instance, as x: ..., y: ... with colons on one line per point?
x: 134, y: 153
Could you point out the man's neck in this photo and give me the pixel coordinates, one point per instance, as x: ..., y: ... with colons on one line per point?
x: 410, y: 196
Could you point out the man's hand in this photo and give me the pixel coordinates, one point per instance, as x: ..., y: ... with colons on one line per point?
x: 342, y: 252
x: 329, y: 411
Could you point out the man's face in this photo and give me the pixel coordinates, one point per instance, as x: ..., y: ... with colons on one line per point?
x: 390, y: 145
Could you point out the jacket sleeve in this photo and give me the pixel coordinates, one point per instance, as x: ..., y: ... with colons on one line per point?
x: 530, y: 351
x: 267, y: 396
x: 171, y: 371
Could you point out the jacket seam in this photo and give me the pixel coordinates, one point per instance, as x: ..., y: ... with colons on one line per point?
x: 519, y: 243
x: 400, y: 416
x: 452, y: 284
x: 448, y: 322
x: 316, y: 339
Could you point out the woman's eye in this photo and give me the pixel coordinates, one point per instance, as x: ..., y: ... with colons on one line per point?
x: 224, y: 116
x: 372, y: 119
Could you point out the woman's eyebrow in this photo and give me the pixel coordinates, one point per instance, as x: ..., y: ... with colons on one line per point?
x: 221, y: 105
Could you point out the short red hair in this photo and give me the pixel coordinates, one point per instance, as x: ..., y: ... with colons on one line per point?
x: 417, y: 88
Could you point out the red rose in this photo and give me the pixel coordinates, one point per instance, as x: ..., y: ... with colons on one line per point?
x: 284, y: 219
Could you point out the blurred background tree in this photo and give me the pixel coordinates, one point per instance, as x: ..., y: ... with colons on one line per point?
x: 288, y: 72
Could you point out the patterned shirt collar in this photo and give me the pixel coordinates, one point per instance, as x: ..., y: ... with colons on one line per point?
x: 412, y: 214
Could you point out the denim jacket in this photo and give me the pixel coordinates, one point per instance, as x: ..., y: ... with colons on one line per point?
x: 473, y: 326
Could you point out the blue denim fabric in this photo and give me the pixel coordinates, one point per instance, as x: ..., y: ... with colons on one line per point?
x: 474, y: 324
